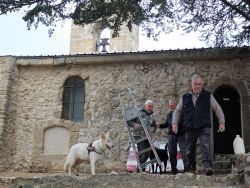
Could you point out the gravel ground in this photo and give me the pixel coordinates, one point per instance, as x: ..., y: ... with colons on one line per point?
x: 113, y: 180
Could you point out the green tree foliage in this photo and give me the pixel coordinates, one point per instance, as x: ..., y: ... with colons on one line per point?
x: 220, y: 22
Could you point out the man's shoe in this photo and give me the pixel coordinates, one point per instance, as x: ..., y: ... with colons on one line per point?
x: 209, y: 171
x: 185, y: 170
x: 175, y: 171
x: 192, y: 171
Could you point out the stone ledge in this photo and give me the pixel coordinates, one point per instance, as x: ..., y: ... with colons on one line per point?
x: 138, y: 57
x: 121, y: 180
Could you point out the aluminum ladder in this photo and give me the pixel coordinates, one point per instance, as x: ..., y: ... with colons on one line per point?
x: 130, y: 112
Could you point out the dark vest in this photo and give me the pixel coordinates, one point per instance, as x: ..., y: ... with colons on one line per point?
x: 198, y: 116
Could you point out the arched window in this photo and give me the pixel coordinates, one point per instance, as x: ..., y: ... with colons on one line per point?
x: 73, y: 99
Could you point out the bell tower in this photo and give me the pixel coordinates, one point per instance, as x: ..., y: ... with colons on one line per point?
x: 88, y: 39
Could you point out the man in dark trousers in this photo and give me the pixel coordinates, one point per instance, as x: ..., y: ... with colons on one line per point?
x: 195, y: 107
x: 148, y: 118
x: 173, y: 139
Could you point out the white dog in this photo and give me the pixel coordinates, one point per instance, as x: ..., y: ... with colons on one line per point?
x: 83, y: 152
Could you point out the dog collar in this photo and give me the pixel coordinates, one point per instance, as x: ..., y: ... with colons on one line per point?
x: 102, y: 150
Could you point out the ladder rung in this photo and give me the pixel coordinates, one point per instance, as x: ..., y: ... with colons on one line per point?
x: 148, y: 162
x: 140, y: 140
x: 144, y: 151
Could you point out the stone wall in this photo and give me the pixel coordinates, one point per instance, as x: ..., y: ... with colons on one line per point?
x: 38, y: 86
x: 7, y: 103
x: 84, y: 39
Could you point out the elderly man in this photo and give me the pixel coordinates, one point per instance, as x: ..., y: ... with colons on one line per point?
x: 195, y: 107
x: 147, y: 116
x: 173, y: 139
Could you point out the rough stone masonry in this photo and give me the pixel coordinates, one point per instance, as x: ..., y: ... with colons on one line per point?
x: 31, y: 90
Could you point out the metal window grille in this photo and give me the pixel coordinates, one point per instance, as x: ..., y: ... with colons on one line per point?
x: 73, y: 99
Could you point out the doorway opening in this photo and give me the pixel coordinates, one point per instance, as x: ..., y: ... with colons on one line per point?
x: 229, y: 100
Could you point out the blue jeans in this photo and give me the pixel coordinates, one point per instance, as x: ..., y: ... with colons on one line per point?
x: 191, y: 137
x: 172, y: 141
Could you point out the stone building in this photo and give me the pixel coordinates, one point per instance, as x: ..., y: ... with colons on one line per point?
x: 48, y: 103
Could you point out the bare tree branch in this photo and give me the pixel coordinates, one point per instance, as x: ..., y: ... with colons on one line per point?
x: 233, y: 7
x: 219, y: 22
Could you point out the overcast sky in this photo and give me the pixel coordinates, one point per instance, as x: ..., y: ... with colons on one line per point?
x: 16, y: 39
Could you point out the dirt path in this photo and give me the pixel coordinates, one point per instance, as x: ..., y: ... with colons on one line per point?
x: 121, y: 180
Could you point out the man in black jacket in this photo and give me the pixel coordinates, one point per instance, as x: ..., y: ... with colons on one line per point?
x: 195, y: 107
x: 173, y: 139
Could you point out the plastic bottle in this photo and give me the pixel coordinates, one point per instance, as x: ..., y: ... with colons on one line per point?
x: 238, y: 145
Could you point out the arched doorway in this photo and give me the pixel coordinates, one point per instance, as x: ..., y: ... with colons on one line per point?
x: 229, y: 100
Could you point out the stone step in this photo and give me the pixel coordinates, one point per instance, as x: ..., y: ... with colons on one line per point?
x: 122, y: 180
x: 222, y: 167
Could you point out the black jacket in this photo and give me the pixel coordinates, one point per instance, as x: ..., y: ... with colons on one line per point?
x: 168, y: 124
x: 198, y: 116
